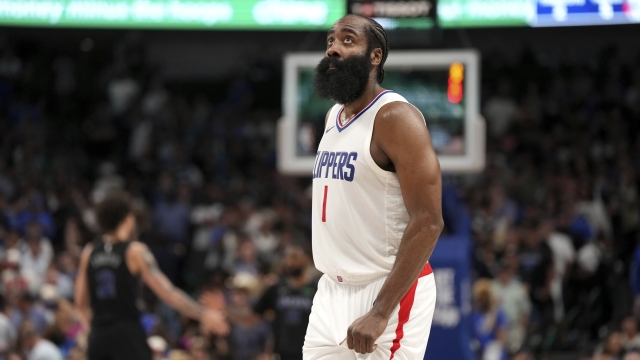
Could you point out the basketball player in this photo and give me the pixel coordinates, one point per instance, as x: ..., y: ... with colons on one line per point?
x: 109, y: 282
x: 376, y: 208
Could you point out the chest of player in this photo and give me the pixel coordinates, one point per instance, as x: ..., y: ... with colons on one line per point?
x: 342, y: 149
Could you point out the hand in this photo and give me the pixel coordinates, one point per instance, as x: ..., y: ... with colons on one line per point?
x: 364, y: 332
x: 214, y: 322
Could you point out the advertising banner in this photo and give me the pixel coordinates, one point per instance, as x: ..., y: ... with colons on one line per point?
x: 174, y: 14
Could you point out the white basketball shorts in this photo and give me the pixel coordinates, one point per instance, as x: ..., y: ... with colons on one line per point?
x: 337, y: 305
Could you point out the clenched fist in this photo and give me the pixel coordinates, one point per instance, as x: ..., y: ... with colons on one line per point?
x: 364, y: 332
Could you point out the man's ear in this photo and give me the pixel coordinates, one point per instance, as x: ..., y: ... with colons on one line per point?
x: 376, y: 56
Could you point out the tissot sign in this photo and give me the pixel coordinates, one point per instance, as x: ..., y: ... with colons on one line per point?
x: 392, y: 9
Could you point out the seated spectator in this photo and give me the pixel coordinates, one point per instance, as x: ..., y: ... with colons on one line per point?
x: 288, y: 303
x: 73, y: 237
x: 7, y: 330
x: 61, y: 281
x: 630, y: 336
x: 250, y: 335
x: 36, y: 347
x: 489, y: 323
x: 66, y: 329
x: 28, y: 309
x: 512, y: 296
x: 611, y: 349
x: 247, y: 258
x: 36, y: 212
x: 37, y: 255
x: 12, y: 240
x: 536, y: 270
x: 564, y: 255
x: 13, y: 283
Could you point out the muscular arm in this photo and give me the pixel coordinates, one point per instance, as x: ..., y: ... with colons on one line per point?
x: 143, y: 262
x: 402, y: 139
x: 81, y: 289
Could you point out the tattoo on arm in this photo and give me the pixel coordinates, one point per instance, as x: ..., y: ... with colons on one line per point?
x: 151, y: 262
x: 176, y: 297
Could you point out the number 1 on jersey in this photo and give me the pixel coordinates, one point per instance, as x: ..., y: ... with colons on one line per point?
x: 324, y: 204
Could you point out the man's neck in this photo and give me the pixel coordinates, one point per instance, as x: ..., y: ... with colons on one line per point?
x: 351, y: 109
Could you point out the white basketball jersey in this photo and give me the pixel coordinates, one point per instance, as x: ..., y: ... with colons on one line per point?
x: 358, y: 212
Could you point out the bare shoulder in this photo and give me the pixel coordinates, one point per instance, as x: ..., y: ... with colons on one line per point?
x: 138, y: 247
x: 137, y: 250
x: 400, y: 116
x: 136, y: 254
x: 86, y: 252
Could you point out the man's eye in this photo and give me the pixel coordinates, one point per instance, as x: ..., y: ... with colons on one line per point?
x: 348, y: 39
x: 330, y: 41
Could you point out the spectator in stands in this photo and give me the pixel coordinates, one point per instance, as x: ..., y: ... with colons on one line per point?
x: 536, y: 270
x: 565, y: 147
x: 489, y: 323
x: 250, y: 335
x: 7, y: 330
x: 4, y: 227
x: 564, y: 255
x: 13, y: 283
x: 36, y: 212
x: 36, y: 347
x: 501, y: 109
x: 66, y: 330
x: 630, y: 336
x: 612, y: 349
x: 247, y: 257
x: 62, y: 282
x: 29, y: 310
x: 171, y: 215
x: 73, y: 237
x: 12, y: 240
x: 36, y: 256
x: 511, y: 295
x: 288, y: 304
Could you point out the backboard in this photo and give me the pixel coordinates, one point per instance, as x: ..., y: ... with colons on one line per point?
x: 443, y: 85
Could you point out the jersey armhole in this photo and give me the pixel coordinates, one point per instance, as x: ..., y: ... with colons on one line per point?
x: 367, y: 144
x: 126, y: 258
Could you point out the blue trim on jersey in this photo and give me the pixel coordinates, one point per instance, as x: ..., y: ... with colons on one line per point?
x: 353, y: 119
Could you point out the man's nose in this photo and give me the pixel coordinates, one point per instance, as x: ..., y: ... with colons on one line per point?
x: 333, y: 51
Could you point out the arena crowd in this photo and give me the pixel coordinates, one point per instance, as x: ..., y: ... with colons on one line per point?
x: 555, y: 214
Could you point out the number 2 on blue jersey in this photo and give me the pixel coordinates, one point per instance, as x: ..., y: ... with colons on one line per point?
x: 106, y: 281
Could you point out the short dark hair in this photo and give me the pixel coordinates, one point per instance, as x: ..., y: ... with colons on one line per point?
x: 113, y: 210
x: 377, y: 39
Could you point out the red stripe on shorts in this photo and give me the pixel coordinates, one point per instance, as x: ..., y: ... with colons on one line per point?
x: 405, y: 310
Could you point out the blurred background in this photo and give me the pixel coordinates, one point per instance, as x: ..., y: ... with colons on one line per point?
x: 179, y: 102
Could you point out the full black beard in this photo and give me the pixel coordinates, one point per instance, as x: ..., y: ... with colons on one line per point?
x: 346, y: 82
